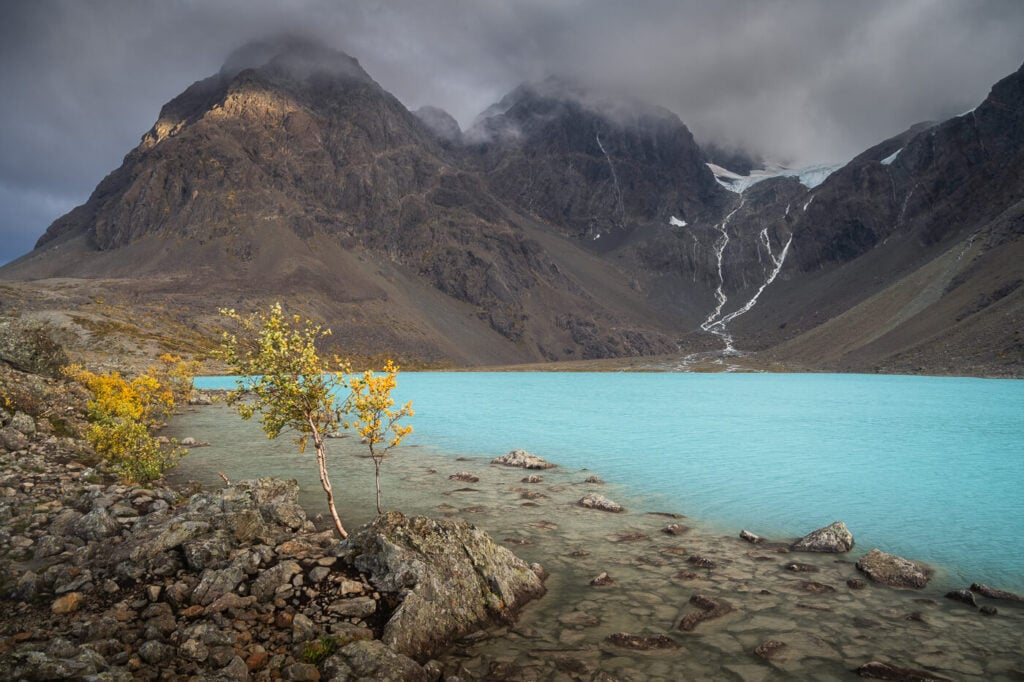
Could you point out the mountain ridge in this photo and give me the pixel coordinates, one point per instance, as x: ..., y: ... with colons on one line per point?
x: 562, y: 225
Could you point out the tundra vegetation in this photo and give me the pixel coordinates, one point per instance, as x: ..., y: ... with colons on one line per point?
x: 124, y: 412
x: 285, y: 381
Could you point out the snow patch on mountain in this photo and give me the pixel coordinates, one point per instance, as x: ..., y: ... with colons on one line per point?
x: 676, y: 222
x: 809, y: 176
x: 892, y: 157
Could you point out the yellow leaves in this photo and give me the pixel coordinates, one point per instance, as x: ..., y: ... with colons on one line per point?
x: 370, y: 402
x: 121, y: 414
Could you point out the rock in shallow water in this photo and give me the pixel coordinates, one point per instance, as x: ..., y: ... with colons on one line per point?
x: 523, y: 460
x: 600, y: 502
x: 894, y: 571
x: 883, y: 671
x: 835, y: 538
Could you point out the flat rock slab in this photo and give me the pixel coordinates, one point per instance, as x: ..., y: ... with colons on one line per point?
x: 523, y: 460
x: 894, y: 571
x: 708, y: 608
x: 835, y: 538
x: 624, y: 640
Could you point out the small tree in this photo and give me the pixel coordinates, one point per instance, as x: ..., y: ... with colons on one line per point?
x: 290, y: 384
x: 376, y: 422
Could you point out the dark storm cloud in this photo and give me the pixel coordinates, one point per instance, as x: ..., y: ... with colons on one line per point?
x: 793, y: 80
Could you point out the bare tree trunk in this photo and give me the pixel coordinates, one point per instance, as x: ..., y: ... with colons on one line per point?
x: 376, y: 465
x: 325, y: 481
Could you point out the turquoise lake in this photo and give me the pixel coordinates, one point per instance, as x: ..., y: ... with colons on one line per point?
x: 925, y: 467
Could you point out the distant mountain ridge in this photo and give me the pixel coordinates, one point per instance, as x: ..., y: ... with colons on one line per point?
x: 561, y: 225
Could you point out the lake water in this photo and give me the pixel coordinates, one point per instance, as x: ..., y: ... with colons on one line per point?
x: 928, y: 468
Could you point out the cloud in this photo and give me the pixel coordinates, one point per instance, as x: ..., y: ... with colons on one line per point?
x: 797, y: 80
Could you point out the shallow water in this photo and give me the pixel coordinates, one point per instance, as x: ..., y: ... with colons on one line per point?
x: 828, y: 628
x: 928, y: 468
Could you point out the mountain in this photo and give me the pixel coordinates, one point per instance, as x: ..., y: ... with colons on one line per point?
x: 563, y: 224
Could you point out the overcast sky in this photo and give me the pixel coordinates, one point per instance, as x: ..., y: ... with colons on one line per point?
x: 797, y: 80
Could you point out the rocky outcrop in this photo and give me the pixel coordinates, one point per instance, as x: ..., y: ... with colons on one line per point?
x: 894, y: 571
x: 992, y: 593
x: 835, y: 538
x: 523, y: 460
x: 449, y: 577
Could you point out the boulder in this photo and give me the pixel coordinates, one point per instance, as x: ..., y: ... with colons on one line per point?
x: 835, y: 538
x: 449, y: 576
x: 371, y: 660
x: 750, y: 537
x: 600, y: 502
x: 523, y: 460
x: 464, y: 476
x: 894, y: 571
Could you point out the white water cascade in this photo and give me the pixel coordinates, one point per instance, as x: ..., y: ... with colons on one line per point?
x: 615, y: 180
x: 716, y: 321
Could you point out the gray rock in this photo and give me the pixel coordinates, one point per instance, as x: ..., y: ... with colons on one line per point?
x: 268, y: 581
x: 300, y: 672
x: 64, y: 522
x: 625, y: 640
x: 835, y: 538
x: 96, y: 525
x: 215, y: 583
x: 154, y: 652
x: 371, y: 660
x: 48, y: 545
x: 236, y: 671
x: 12, y: 439
x: 207, y: 552
x: 750, y: 537
x: 523, y: 460
x: 894, y: 571
x: 24, y: 424
x: 600, y: 502
x: 357, y: 607
x: 194, y: 650
x: 452, y: 579
x: 303, y: 629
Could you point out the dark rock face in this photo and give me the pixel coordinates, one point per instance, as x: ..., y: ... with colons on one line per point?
x: 892, y: 570
x: 450, y: 576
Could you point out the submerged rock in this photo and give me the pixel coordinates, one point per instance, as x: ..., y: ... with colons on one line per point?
x: 449, y: 576
x: 523, y: 460
x: 769, y: 649
x: 963, y: 596
x: 894, y: 571
x: 835, y: 538
x: 464, y: 476
x: 624, y: 640
x: 883, y: 671
x: 707, y: 609
x: 991, y: 593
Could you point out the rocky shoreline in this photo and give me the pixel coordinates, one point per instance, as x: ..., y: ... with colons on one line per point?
x: 108, y: 582
x: 103, y: 581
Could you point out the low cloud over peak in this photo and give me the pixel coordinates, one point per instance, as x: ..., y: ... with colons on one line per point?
x: 794, y: 80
